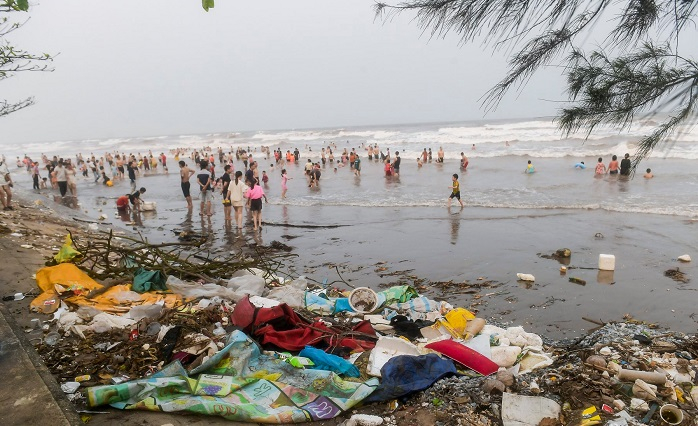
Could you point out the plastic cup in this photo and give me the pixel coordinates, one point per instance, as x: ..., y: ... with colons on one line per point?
x: 671, y: 414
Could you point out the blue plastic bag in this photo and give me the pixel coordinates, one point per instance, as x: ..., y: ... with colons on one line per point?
x: 329, y: 362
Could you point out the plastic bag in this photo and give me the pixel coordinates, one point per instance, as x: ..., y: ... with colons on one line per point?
x: 67, y: 252
x: 293, y: 293
x: 195, y: 290
x: 329, y: 362
x: 247, y: 284
x: 145, y: 311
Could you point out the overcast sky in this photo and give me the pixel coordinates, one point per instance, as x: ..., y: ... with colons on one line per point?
x: 163, y: 67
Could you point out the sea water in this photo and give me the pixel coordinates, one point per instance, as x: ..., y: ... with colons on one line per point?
x: 498, y: 152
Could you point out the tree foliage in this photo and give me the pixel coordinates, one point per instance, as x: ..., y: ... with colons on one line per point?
x: 14, y: 59
x: 635, y: 70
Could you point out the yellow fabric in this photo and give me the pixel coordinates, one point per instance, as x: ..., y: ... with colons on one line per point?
x: 458, y: 319
x: 55, y: 280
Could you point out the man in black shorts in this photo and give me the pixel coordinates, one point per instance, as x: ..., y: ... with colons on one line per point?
x: 185, y: 174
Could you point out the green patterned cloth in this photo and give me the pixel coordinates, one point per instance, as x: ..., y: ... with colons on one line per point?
x: 239, y: 383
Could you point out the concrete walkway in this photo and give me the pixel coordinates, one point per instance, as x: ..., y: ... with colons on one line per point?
x: 28, y: 393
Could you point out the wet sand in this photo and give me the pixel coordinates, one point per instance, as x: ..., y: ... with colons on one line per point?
x: 377, y: 246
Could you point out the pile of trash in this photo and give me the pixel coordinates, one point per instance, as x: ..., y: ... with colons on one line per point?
x: 263, y: 349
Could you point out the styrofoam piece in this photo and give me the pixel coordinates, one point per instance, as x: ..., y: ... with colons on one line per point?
x: 386, y: 348
x: 534, y: 360
x: 521, y: 410
x: 148, y: 206
x: 525, y: 277
x: 607, y: 262
x: 364, y: 420
x: 684, y: 258
x: 505, y: 356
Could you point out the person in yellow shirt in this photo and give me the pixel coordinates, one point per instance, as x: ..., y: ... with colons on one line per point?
x: 455, y: 191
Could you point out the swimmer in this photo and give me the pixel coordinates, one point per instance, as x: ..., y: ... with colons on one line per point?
x: 648, y: 174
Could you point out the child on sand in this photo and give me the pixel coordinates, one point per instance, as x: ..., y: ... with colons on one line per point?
x: 455, y: 191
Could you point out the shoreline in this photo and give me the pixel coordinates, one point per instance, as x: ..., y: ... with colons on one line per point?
x: 468, y: 257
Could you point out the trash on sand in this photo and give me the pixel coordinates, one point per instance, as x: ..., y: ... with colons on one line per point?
x: 363, y: 420
x: 16, y: 296
x: 52, y: 338
x: 525, y: 277
x: 684, y: 258
x: 465, y: 356
x: 577, y: 280
x: 245, y: 371
x: 386, y: 348
x: 647, y: 376
x: 323, y: 361
x: 520, y: 410
x: 404, y: 374
x: 607, y: 262
x: 70, y: 387
x: 671, y: 414
x: 363, y: 300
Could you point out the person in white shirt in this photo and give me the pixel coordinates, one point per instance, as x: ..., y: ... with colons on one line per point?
x: 5, y: 185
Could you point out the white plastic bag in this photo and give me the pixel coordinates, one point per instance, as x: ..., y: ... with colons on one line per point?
x: 247, y: 284
x: 293, y: 293
x: 196, y: 290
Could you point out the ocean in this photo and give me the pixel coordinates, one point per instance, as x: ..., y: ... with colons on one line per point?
x: 494, y: 178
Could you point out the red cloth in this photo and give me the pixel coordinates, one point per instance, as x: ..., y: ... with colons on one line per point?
x: 282, y: 327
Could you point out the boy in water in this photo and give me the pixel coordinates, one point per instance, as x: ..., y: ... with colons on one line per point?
x: 648, y: 174
x: 455, y: 191
x: 530, y: 168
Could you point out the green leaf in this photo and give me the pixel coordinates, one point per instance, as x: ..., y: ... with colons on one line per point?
x: 23, y: 5
x: 207, y: 4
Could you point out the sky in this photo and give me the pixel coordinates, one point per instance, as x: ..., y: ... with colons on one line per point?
x: 167, y: 67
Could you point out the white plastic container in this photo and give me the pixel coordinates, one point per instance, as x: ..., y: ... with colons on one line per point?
x: 149, y: 206
x: 607, y: 262
x: 525, y: 277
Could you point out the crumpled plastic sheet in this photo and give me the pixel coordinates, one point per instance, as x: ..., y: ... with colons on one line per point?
x: 239, y: 383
